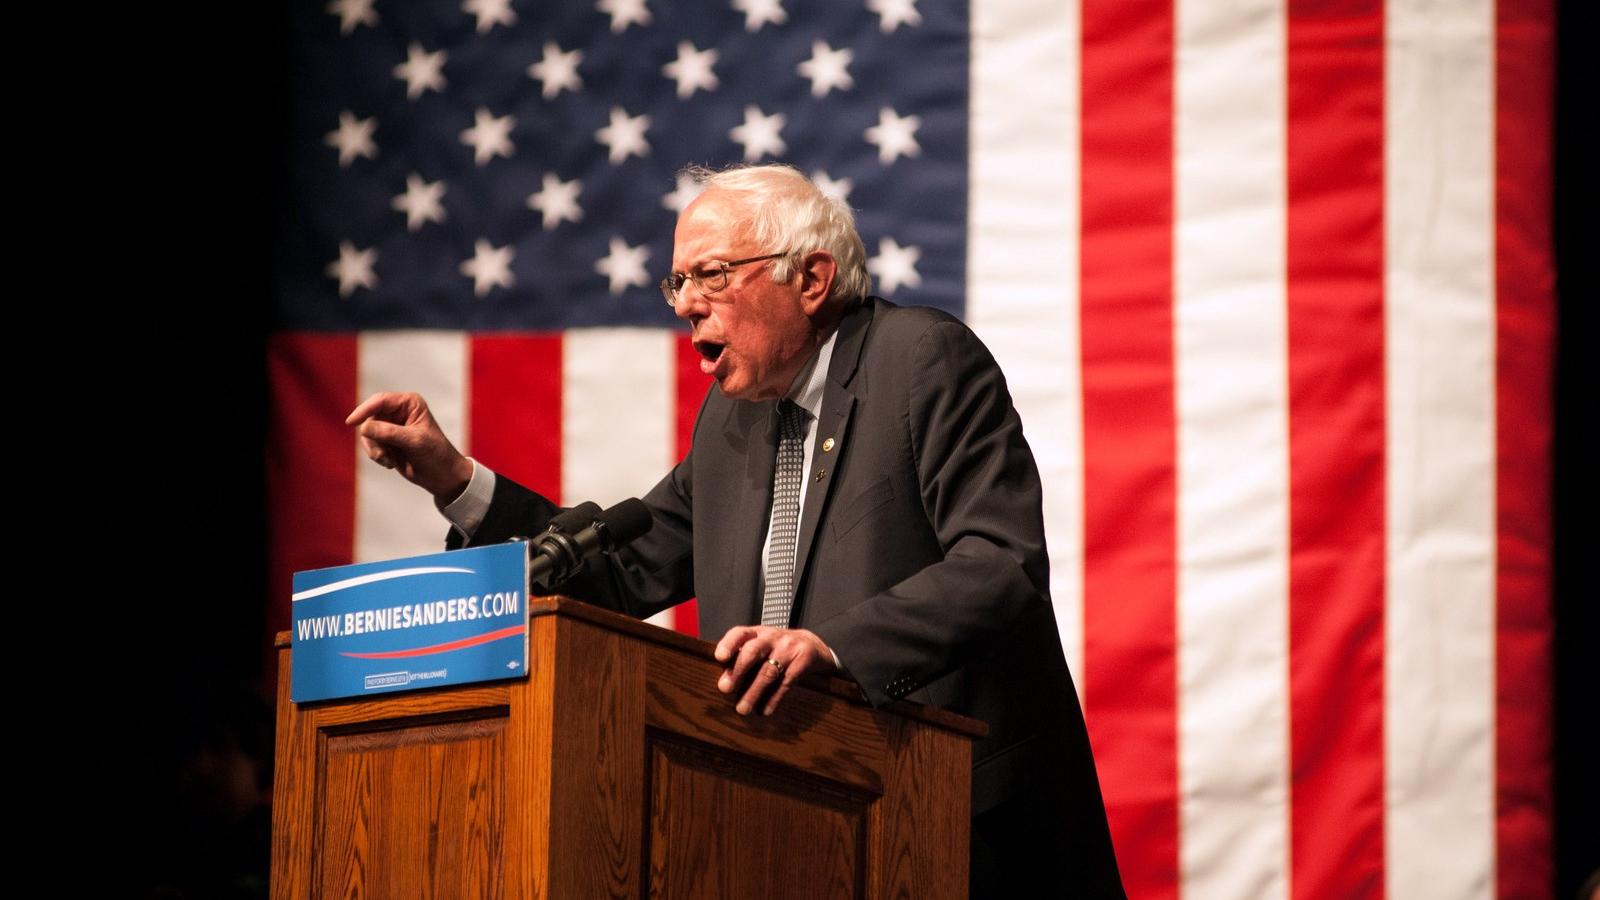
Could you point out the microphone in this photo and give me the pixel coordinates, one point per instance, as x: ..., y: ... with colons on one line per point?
x: 574, y: 520
x: 579, y: 533
x: 566, y: 522
x: 555, y: 541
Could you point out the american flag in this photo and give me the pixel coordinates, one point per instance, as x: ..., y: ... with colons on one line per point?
x: 1271, y: 282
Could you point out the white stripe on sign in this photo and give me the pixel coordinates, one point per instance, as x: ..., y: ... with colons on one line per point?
x: 1022, y: 258
x: 1439, y: 646
x: 393, y: 516
x: 1230, y: 347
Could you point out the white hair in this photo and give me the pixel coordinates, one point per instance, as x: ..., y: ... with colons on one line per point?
x: 790, y: 215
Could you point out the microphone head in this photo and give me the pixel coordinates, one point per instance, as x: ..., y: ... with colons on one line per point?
x: 576, y: 519
x: 625, y: 521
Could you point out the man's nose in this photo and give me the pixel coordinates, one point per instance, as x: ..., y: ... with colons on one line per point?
x: 690, y: 303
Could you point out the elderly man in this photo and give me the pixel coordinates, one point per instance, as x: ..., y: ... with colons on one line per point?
x: 858, y: 498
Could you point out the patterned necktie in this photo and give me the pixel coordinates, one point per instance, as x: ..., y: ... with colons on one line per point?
x: 779, y: 594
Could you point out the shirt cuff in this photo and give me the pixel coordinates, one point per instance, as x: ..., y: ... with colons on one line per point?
x: 466, y: 512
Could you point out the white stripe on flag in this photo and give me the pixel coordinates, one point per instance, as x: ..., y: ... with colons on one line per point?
x: 617, y: 415
x: 394, y: 517
x: 1022, y: 258
x: 1232, y: 410
x: 1439, y: 644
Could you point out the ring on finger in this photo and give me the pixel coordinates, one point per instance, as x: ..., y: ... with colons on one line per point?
x: 775, y: 664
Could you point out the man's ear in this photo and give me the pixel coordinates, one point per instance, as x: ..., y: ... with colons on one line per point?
x: 817, y: 271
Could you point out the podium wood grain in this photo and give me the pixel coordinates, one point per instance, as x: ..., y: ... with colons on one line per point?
x: 616, y: 769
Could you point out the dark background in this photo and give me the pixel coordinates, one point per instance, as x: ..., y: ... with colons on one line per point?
x: 171, y: 443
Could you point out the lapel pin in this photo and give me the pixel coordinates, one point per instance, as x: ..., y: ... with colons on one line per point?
x: 827, y: 445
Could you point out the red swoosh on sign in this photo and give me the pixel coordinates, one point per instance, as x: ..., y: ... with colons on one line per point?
x: 473, y: 641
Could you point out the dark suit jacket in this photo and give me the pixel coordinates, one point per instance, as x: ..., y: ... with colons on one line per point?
x: 921, y: 557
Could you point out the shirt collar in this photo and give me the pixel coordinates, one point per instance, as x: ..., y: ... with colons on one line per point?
x: 812, y: 379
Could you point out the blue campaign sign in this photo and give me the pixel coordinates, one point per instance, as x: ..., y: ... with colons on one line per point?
x: 424, y: 621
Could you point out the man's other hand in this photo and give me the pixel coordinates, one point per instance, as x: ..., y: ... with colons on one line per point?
x: 764, y: 661
x: 398, y: 432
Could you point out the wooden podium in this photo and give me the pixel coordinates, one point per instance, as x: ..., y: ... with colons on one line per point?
x: 617, y: 769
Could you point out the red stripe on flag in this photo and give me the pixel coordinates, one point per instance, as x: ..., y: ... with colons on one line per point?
x: 692, y: 385
x: 1525, y: 341
x: 1129, y: 431
x: 691, y: 388
x: 514, y: 408
x: 311, y: 459
x: 1335, y: 267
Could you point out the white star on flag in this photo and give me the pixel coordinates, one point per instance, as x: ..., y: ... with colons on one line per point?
x: 624, y: 137
x: 692, y: 70
x: 490, y: 13
x: 353, y: 138
x: 759, y: 134
x: 827, y: 69
x: 895, y: 135
x: 557, y: 200
x: 624, y: 13
x: 624, y: 266
x: 838, y: 189
x: 895, y: 266
x: 489, y: 267
x: 557, y: 71
x: 760, y: 12
x: 687, y: 189
x: 489, y: 136
x: 352, y: 13
x: 421, y: 71
x: 420, y: 202
x: 353, y: 268
x: 894, y: 13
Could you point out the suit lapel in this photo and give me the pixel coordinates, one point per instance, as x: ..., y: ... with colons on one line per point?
x: 838, y: 403
x: 756, y: 425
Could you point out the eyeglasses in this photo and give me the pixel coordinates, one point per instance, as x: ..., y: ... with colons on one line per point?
x: 713, y: 279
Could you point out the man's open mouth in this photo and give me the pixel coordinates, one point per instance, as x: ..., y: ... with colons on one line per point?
x: 709, y: 349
